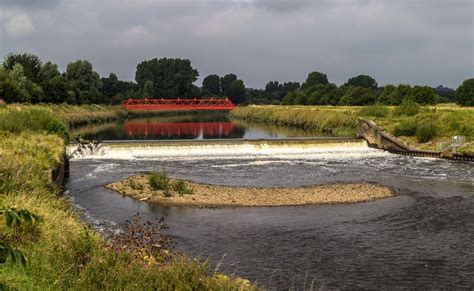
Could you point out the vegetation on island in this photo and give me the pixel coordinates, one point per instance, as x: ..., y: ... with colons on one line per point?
x: 159, y: 188
x: 43, y: 244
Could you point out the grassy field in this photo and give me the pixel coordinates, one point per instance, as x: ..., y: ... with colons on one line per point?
x: 422, y: 128
x: 64, y: 253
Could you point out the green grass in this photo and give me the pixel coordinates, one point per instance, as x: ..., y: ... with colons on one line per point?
x: 64, y: 253
x: 40, y: 120
x: 323, y: 119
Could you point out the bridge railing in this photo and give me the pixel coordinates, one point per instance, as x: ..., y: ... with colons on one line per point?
x: 178, y: 104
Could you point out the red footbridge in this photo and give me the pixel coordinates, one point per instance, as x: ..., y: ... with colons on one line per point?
x: 177, y: 104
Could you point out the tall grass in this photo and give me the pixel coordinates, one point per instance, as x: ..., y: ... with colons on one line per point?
x: 37, y: 120
x: 375, y: 110
x: 319, y: 119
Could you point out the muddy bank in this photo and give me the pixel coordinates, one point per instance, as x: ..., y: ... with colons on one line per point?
x: 219, y: 196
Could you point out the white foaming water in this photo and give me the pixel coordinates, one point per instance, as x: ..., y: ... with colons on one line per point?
x: 337, y: 150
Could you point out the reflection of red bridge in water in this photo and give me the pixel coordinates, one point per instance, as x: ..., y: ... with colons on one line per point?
x: 177, y: 104
x: 179, y: 129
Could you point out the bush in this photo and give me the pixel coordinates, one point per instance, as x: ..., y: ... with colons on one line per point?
x: 426, y: 132
x: 408, y: 108
x: 136, y: 186
x: 406, y: 128
x: 374, y: 110
x: 159, y: 181
x: 180, y: 187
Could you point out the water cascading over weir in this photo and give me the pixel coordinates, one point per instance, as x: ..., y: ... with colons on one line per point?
x: 234, y: 149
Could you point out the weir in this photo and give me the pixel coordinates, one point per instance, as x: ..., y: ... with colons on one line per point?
x: 126, y: 149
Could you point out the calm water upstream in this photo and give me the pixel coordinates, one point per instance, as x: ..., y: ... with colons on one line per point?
x: 422, y: 238
x: 187, y: 128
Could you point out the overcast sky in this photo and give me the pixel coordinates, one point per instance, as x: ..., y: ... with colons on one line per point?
x: 426, y: 42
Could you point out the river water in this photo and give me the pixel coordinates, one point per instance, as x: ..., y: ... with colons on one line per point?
x: 421, y: 238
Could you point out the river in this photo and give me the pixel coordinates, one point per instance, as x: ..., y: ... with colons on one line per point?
x: 421, y: 238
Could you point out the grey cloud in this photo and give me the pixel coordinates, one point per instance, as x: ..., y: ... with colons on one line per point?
x: 414, y: 42
x: 30, y: 4
x: 283, y: 5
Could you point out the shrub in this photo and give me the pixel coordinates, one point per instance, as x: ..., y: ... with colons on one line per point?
x: 406, y: 128
x: 136, y: 186
x: 159, y: 181
x: 374, y: 110
x: 180, y: 187
x: 408, y: 108
x: 426, y: 132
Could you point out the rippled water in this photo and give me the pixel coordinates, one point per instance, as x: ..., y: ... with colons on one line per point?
x: 422, y: 238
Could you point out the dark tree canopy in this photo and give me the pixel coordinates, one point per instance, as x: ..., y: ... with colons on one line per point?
x: 363, y: 81
x: 56, y: 89
x: 236, y: 91
x: 31, y: 65
x: 315, y: 78
x: 465, y: 93
x: 49, y: 71
x: 169, y: 77
x: 212, y: 85
x: 226, y: 81
x: 423, y: 95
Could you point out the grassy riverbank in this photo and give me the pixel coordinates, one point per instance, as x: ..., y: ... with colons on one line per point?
x: 63, y: 253
x: 186, y: 193
x: 327, y: 120
x: 422, y: 128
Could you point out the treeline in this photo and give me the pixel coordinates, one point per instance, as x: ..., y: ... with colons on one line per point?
x: 361, y: 90
x: 25, y: 78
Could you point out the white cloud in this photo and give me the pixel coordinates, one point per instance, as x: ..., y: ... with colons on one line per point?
x: 19, y: 24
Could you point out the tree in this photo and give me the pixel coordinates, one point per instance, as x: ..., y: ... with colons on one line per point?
x: 212, y: 84
x: 56, y: 89
x: 226, y: 81
x: 110, y: 85
x: 290, y: 86
x: 321, y: 94
x: 170, y: 77
x: 273, y: 86
x: 465, y: 93
x: 387, y: 96
x: 357, y: 96
x: 148, y: 89
x: 17, y: 74
x: 315, y: 78
x: 10, y: 90
x: 31, y: 65
x: 423, y: 95
x: 236, y: 91
x: 84, y: 81
x: 49, y: 71
x: 364, y: 81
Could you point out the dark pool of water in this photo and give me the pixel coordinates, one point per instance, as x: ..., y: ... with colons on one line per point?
x: 423, y: 238
x: 194, y: 127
